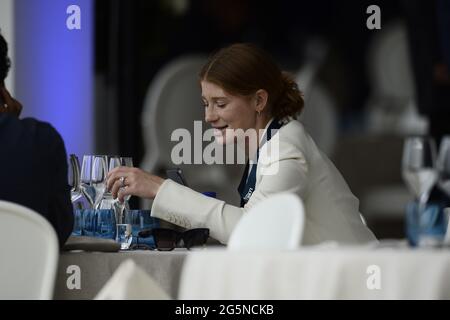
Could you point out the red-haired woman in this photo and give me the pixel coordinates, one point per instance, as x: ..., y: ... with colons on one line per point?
x: 243, y: 88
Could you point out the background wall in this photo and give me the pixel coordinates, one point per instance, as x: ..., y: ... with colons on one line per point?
x: 54, y: 68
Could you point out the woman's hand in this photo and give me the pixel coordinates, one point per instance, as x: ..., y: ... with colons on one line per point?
x: 9, y: 105
x: 124, y: 181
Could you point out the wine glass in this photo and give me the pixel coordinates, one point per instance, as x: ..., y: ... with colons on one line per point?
x: 74, y: 178
x: 77, y: 194
x: 85, y: 178
x: 418, y: 166
x: 443, y: 167
x: 108, y: 202
x: 127, y: 162
x: 114, y: 162
x: 419, y: 171
x: 98, y: 178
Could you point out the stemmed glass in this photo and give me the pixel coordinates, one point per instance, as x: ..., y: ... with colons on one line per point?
x: 85, y: 177
x: 98, y: 178
x: 79, y: 198
x: 124, y: 162
x: 114, y: 162
x: 443, y: 167
x: 74, y: 178
x: 419, y: 171
x: 108, y: 202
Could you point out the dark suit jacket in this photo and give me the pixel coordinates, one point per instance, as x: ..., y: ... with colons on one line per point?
x: 33, y: 171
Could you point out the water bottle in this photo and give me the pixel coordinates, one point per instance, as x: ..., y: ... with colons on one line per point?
x: 428, y: 228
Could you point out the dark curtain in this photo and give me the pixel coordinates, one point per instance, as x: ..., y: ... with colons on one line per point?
x: 118, y: 103
x: 429, y: 41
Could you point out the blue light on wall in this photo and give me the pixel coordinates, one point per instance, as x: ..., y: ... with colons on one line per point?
x: 54, y: 68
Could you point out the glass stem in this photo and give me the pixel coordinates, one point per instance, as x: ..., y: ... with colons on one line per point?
x: 421, y: 212
x: 122, y: 212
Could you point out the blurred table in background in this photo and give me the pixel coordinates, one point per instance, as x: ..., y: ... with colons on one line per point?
x: 318, y: 273
x: 97, y: 267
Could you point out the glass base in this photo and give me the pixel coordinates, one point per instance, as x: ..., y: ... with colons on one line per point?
x: 124, y: 236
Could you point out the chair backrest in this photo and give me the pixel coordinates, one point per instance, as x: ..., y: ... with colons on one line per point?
x: 275, y: 223
x: 388, y: 62
x: 320, y: 119
x: 28, y: 253
x: 319, y: 115
x: 173, y: 101
x: 391, y: 106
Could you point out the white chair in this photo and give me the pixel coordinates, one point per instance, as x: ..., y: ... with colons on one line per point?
x: 173, y: 101
x: 131, y: 282
x: 319, y: 118
x: 275, y: 223
x: 391, y: 106
x: 319, y: 115
x: 391, y: 113
x: 28, y: 253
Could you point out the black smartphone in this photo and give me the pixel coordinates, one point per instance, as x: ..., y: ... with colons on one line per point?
x: 176, y: 174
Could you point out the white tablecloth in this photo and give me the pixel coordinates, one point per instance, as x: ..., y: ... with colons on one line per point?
x: 317, y: 273
x: 96, y: 268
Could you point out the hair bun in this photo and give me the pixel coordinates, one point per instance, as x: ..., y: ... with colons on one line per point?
x: 290, y: 102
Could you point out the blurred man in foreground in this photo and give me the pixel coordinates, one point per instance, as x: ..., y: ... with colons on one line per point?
x: 33, y: 162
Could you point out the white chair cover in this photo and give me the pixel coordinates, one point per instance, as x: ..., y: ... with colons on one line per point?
x: 29, y: 254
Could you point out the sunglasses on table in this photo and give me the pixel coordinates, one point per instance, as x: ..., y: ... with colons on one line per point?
x: 141, y: 246
x: 169, y: 239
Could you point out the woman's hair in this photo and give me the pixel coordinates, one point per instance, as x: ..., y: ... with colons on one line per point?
x: 4, y: 60
x: 242, y: 69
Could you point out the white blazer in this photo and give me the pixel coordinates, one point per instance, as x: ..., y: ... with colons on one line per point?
x: 298, y: 166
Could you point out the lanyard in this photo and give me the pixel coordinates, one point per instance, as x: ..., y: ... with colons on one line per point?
x: 247, y: 185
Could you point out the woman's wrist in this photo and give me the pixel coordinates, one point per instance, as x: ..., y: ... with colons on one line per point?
x: 158, y: 182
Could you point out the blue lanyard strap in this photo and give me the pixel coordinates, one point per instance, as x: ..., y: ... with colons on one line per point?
x: 247, y: 185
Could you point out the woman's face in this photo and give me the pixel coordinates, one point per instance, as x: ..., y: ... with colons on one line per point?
x: 224, y: 111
